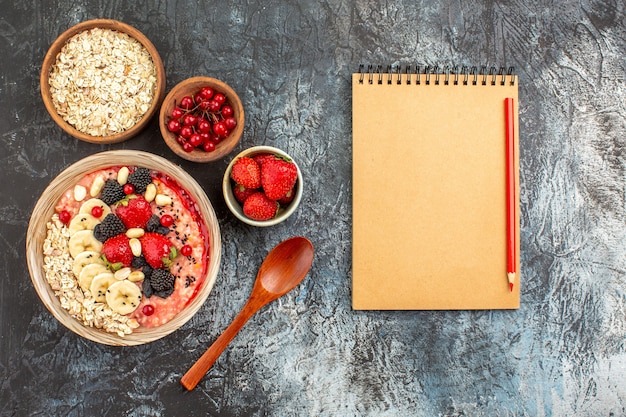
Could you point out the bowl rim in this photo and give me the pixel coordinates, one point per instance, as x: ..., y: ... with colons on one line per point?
x: 235, y: 207
x: 44, y: 208
x: 223, y: 148
x: 50, y: 58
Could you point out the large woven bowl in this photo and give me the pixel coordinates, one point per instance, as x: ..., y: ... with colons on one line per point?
x: 44, y: 209
x: 50, y: 59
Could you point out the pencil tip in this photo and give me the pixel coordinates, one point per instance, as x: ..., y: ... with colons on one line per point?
x: 511, y: 286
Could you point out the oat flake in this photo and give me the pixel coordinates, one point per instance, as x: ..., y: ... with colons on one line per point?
x: 103, y: 82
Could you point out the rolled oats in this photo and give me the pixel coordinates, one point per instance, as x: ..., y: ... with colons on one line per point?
x: 103, y: 82
x: 80, y: 304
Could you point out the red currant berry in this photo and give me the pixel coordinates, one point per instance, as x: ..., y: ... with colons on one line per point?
x: 148, y: 310
x: 220, y: 129
x: 177, y: 113
x: 186, y: 102
x: 166, y: 220
x: 186, y: 131
x: 230, y: 123
x: 214, y: 106
x: 220, y: 98
x: 97, y: 211
x: 206, y: 137
x: 190, y: 120
x: 206, y: 93
x: 227, y: 111
x: 195, y: 140
x: 128, y: 188
x: 186, y: 250
x: 208, y: 146
x: 205, y: 105
x: 188, y: 147
x: 65, y: 216
x: 198, y: 98
x: 204, y: 126
x: 173, y: 126
x: 180, y: 140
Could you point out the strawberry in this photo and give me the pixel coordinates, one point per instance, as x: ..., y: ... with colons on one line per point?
x: 288, y: 198
x: 117, y: 251
x: 134, y: 211
x: 259, y: 207
x: 262, y: 157
x: 157, y: 250
x: 246, y: 171
x: 278, y: 176
x: 241, y: 193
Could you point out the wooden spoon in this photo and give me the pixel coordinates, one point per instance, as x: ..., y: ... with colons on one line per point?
x: 283, y: 268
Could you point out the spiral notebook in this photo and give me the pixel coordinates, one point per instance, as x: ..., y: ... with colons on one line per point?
x: 430, y: 227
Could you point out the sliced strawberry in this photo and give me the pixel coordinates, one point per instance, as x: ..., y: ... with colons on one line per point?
x: 157, y: 250
x: 117, y: 251
x: 134, y: 211
x: 278, y: 176
x: 259, y: 207
x: 246, y: 171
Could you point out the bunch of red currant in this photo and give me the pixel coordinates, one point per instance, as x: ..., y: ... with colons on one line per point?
x: 202, y: 120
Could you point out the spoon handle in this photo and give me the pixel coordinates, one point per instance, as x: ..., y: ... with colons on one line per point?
x: 202, y: 365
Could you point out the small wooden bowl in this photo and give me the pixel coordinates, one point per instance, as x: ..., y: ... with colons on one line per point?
x: 50, y: 59
x: 235, y: 207
x: 45, y: 208
x: 190, y: 87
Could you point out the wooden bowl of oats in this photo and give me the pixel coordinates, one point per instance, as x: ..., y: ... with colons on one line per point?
x: 115, y: 282
x: 102, y: 81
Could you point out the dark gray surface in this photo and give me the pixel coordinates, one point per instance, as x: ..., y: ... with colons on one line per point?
x: 562, y: 353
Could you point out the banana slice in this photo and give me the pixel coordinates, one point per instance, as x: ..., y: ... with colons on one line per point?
x: 82, y: 221
x: 82, y: 241
x: 123, y: 296
x: 85, y: 258
x: 100, y: 284
x: 88, y: 273
x: 93, y: 202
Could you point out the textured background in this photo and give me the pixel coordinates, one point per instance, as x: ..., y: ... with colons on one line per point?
x: 561, y: 354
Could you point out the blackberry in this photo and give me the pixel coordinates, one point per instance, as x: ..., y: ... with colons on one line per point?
x: 140, y: 178
x: 162, y: 280
x: 112, y: 192
x: 109, y: 227
x: 165, y: 293
x: 138, y: 262
x: 154, y: 225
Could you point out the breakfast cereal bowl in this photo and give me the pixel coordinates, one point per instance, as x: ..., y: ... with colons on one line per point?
x: 236, y: 202
x: 102, y: 81
x: 123, y: 247
x: 194, y: 129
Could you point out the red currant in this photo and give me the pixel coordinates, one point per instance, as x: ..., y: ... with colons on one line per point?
x: 198, y: 98
x: 227, y: 111
x: 206, y: 93
x: 188, y: 147
x: 148, y: 310
x: 220, y: 98
x: 166, y: 220
x: 220, y: 129
x: 205, y: 105
x: 195, y: 140
x: 208, y: 146
x: 186, y: 131
x: 180, y: 139
x: 189, y: 120
x: 214, y: 106
x: 128, y: 188
x: 65, y: 216
x: 230, y: 123
x: 173, y: 126
x: 177, y: 113
x: 186, y: 250
x: 97, y: 211
x: 204, y: 126
x: 186, y: 102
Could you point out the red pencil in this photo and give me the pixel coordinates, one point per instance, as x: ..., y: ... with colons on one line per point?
x: 511, y: 227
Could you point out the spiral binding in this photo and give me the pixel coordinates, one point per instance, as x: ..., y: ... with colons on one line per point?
x: 436, y: 75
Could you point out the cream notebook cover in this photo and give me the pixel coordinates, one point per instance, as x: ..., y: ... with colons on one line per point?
x: 429, y: 191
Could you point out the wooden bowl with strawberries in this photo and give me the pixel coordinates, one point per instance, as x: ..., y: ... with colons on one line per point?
x: 262, y: 186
